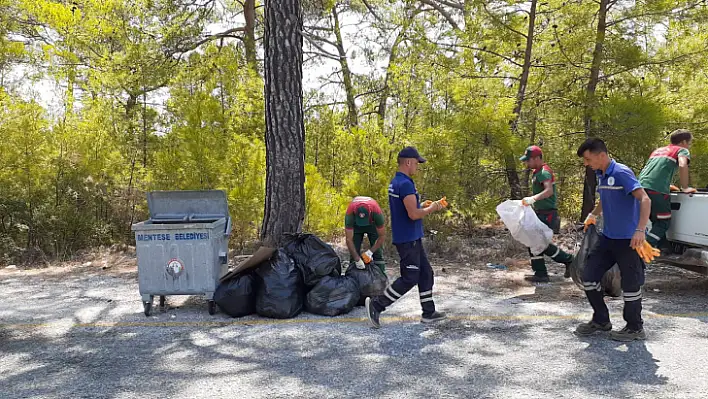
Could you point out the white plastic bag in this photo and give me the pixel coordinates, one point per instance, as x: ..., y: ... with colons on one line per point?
x: 525, y: 226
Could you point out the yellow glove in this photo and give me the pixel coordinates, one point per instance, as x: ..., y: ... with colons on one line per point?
x: 442, y: 202
x: 687, y: 190
x: 591, y: 219
x: 647, y: 252
x: 367, y: 256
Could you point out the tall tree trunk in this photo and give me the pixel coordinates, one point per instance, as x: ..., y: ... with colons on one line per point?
x: 512, y: 175
x: 590, y: 184
x: 285, y: 128
x: 521, y: 93
x: 386, y: 90
x: 145, y: 131
x: 353, y: 113
x: 249, y: 39
x: 532, y: 140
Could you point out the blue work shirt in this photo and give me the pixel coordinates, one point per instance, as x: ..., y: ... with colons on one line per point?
x: 620, y: 209
x: 403, y: 227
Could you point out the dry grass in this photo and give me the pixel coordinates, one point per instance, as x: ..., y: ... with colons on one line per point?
x: 116, y: 260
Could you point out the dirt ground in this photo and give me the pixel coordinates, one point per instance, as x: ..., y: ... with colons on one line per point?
x: 77, y: 329
x: 488, y: 258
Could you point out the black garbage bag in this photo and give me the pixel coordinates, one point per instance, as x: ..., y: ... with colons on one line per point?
x: 372, y: 281
x: 313, y: 256
x: 333, y: 296
x: 237, y: 296
x: 611, y: 281
x: 280, y: 291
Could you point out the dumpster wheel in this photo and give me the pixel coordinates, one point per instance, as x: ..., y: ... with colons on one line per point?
x: 147, y: 306
x: 212, y: 307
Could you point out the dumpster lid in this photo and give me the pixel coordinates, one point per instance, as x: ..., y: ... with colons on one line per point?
x: 188, y: 206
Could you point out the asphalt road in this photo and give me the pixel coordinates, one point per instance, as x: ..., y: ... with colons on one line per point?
x: 84, y: 335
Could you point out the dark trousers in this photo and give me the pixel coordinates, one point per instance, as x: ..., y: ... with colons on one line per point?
x: 369, y: 231
x: 551, y: 219
x: 601, y: 258
x: 660, y: 217
x: 415, y: 270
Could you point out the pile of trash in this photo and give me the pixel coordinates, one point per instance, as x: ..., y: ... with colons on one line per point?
x: 304, y: 274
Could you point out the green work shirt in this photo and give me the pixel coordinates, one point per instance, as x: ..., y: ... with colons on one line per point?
x: 661, y: 167
x: 539, y: 176
x: 372, y: 215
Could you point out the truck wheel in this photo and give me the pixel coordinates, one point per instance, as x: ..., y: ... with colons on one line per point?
x: 677, y: 248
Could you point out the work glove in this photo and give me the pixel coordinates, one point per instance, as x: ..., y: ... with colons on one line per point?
x: 591, y: 219
x: 687, y: 190
x: 367, y: 256
x: 442, y: 202
x: 528, y: 201
x: 360, y: 264
x: 647, y: 252
x: 426, y: 203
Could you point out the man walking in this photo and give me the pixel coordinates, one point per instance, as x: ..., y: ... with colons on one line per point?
x: 626, y: 208
x: 364, y: 217
x: 407, y: 228
x: 543, y: 201
x: 656, y: 179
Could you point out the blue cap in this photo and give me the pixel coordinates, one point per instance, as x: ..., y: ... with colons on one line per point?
x: 411, y: 152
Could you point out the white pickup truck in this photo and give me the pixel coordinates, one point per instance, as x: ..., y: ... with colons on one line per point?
x: 688, y: 234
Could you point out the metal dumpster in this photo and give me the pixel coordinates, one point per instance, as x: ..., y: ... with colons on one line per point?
x: 182, y: 249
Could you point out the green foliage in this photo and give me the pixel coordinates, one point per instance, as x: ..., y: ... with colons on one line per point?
x: 151, y: 97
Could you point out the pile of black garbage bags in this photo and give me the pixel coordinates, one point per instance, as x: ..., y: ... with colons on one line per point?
x: 305, y: 273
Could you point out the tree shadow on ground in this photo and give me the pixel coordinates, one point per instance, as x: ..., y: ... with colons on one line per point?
x: 611, y: 366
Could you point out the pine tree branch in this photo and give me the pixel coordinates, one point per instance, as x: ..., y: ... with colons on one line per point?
x: 669, y: 13
x: 310, y: 37
x: 220, y: 35
x: 442, y: 12
x: 650, y: 63
x: 500, y: 22
x: 371, y: 10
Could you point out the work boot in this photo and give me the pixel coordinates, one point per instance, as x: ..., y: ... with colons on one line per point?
x: 433, y: 317
x: 628, y: 335
x: 372, y: 313
x: 592, y: 327
x: 537, y: 279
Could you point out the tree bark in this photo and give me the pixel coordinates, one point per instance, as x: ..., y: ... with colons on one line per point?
x: 521, y: 93
x: 285, y: 129
x: 532, y: 141
x: 249, y: 38
x: 383, y: 101
x: 353, y: 113
x: 512, y: 175
x: 590, y: 184
x: 386, y: 91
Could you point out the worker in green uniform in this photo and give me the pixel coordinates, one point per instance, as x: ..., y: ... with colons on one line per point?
x: 656, y: 179
x: 543, y: 201
x: 364, y: 217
